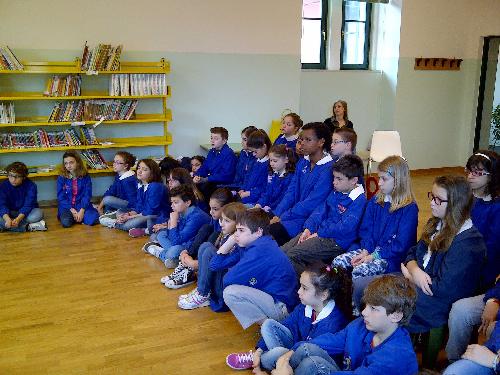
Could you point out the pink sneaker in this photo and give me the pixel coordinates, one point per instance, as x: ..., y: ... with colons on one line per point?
x: 240, y: 361
x: 137, y: 232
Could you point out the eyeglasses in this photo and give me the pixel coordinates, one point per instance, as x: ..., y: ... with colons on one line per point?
x: 436, y: 200
x: 476, y: 172
x: 12, y: 175
x: 336, y: 142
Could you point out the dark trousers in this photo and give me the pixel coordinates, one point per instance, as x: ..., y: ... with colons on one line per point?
x: 280, y: 234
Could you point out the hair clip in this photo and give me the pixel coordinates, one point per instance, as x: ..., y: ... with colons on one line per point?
x: 483, y: 155
x: 328, y: 268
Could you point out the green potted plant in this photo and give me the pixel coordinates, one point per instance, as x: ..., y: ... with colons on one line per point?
x: 495, y: 126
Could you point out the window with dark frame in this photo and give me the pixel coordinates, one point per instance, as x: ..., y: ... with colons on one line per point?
x: 313, y: 38
x: 355, y: 41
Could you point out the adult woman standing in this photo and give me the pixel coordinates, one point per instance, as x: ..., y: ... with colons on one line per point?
x: 340, y: 118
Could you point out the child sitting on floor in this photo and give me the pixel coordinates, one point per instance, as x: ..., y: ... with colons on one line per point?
x: 333, y: 226
x: 260, y: 282
x: 209, y: 289
x: 185, y: 221
x: 282, y: 162
x: 184, y: 273
x: 375, y: 344
x: 74, y: 193
x: 325, y: 296
x: 19, y: 210
x: 290, y: 126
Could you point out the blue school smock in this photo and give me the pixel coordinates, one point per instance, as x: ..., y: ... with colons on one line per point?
x: 276, y: 187
x: 339, y: 217
x: 494, y: 341
x: 455, y: 274
x: 219, y: 166
x: 124, y: 187
x: 188, y: 225
x: 290, y: 142
x: 245, y: 162
x: 22, y: 198
x: 486, y: 218
x: 83, y: 197
x: 302, y: 328
x: 395, y: 355
x: 152, y: 199
x: 256, y: 181
x: 307, y: 190
x: 391, y: 234
x: 261, y: 265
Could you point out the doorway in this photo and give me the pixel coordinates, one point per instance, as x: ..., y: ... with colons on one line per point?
x: 487, y: 136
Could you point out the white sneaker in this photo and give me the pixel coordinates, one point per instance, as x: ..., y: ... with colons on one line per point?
x: 188, y: 295
x: 178, y: 270
x: 107, y: 221
x: 152, y: 248
x: 38, y: 226
x: 196, y: 300
x: 111, y: 215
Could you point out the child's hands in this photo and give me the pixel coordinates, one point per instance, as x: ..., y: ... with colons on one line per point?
x: 8, y: 221
x: 256, y: 358
x: 79, y: 215
x: 100, y: 208
x: 266, y: 208
x: 305, y: 235
x: 243, y: 193
x: 158, y: 227
x: 422, y: 280
x: 358, y: 259
x: 406, y: 273
x: 489, y: 315
x: 275, y: 219
x: 15, y: 222
x: 479, y: 354
x: 227, y: 246
x: 283, y: 365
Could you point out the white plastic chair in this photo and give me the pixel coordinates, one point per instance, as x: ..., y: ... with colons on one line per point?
x: 384, y: 143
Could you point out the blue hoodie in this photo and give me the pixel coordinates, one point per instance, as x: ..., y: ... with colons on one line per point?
x: 395, y: 355
x: 219, y: 166
x: 22, y: 198
x: 339, y: 217
x: 256, y: 180
x: 455, y: 274
x: 245, y: 163
x: 391, y: 234
x: 307, y: 190
x: 82, y: 199
x: 486, y: 218
x: 275, y: 190
x: 124, y: 187
x: 261, y: 265
x: 188, y: 225
x: 300, y: 323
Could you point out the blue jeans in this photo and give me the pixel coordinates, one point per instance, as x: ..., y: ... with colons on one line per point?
x: 113, y: 203
x: 170, y: 251
x: 310, y: 359
x: 34, y: 216
x: 207, y: 278
x: 466, y: 367
x: 136, y: 222
x: 90, y: 217
x: 464, y: 315
x: 278, y: 339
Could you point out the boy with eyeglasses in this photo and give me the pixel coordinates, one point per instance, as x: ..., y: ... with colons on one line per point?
x: 19, y: 210
x: 343, y: 143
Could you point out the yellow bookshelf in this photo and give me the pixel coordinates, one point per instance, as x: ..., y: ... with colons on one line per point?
x: 50, y: 68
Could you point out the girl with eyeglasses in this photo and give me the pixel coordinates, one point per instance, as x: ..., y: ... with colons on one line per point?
x: 446, y: 263
x: 483, y: 175
x: 123, y: 191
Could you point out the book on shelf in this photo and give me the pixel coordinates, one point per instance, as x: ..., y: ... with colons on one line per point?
x: 93, y: 110
x: 102, y: 57
x: 67, y: 111
x: 7, y: 113
x: 63, y: 86
x: 137, y: 84
x: 43, y: 139
x: 9, y: 61
x: 94, y: 159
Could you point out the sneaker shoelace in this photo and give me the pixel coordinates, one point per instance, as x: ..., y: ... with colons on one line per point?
x: 245, y: 357
x: 177, y: 272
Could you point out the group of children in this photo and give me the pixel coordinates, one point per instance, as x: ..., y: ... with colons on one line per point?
x: 284, y: 237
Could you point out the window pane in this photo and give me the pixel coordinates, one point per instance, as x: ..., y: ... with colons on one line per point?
x: 355, y: 11
x: 311, y: 9
x: 310, y: 42
x: 354, y: 43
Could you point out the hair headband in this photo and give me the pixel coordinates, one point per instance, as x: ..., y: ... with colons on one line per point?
x: 483, y: 155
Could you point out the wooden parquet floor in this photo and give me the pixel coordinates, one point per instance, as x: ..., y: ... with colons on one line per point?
x: 87, y: 300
